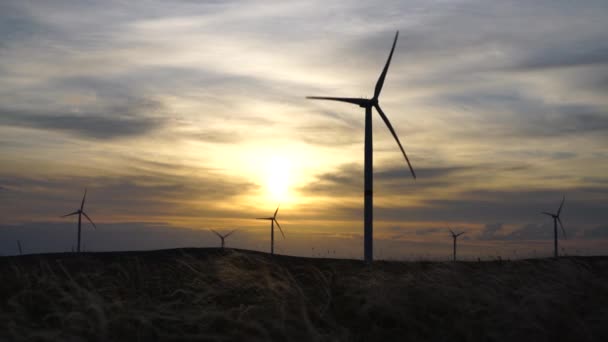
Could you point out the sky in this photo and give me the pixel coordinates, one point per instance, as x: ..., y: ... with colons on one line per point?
x: 184, y: 116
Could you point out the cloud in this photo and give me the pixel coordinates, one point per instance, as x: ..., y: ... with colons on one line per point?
x: 489, y: 231
x: 130, y: 120
x: 330, y: 134
x: 532, y: 231
x: 443, y: 198
x: 218, y: 136
x: 586, y: 52
x: 599, y: 232
x: 161, y: 193
x: 348, y: 179
x: 427, y: 231
x: 505, y: 112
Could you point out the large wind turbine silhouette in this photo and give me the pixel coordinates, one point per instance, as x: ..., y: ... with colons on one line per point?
x: 272, y: 220
x: 455, y: 236
x: 81, y: 212
x: 556, y: 219
x: 223, y: 237
x: 368, y: 159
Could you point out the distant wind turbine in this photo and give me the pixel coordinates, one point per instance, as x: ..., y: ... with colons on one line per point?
x: 81, y: 212
x: 223, y: 237
x: 556, y: 219
x: 19, y: 246
x: 272, y: 220
x: 455, y: 236
x: 368, y: 159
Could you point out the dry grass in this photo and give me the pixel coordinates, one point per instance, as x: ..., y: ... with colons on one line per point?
x: 206, y: 294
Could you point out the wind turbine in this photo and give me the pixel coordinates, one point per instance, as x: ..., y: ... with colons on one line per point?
x: 368, y: 159
x: 81, y: 212
x: 272, y: 220
x: 19, y: 247
x: 222, y: 237
x: 556, y: 219
x: 455, y: 236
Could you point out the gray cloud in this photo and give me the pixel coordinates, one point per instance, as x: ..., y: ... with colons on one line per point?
x: 17, y: 24
x: 330, y: 134
x: 427, y: 231
x: 151, y: 194
x: 507, y: 112
x: 586, y: 52
x: 218, y: 136
x: 348, y: 179
x: 584, y: 205
x: 490, y: 231
x: 132, y: 119
x: 533, y: 231
x: 600, y: 232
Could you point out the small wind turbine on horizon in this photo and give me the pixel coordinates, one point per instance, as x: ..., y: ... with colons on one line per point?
x: 556, y: 219
x: 454, y: 236
x: 273, y: 220
x: 19, y: 247
x: 222, y: 237
x: 368, y: 159
x: 81, y: 212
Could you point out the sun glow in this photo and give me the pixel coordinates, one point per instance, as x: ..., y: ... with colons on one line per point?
x: 278, y: 178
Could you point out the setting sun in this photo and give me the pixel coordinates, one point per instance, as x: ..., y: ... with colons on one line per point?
x: 278, y: 178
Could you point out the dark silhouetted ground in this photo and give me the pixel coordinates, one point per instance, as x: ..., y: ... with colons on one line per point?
x: 207, y: 294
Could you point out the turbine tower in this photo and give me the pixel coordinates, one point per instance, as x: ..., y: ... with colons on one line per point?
x: 368, y: 104
x: 455, y: 236
x: 81, y: 212
x: 272, y: 220
x: 556, y: 219
x: 222, y: 237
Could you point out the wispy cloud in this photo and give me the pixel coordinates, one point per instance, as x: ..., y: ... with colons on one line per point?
x: 134, y: 119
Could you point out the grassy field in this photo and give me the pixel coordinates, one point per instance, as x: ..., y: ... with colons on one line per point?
x: 207, y: 294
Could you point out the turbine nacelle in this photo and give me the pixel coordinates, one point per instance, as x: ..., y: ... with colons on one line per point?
x: 369, y: 103
x: 455, y: 235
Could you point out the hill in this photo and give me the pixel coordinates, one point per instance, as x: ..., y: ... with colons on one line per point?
x: 209, y: 294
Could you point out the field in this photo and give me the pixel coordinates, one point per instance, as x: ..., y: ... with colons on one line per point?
x: 235, y: 295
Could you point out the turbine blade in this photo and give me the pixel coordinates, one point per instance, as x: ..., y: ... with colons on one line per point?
x: 227, y: 235
x: 216, y: 233
x: 265, y: 218
x: 83, y: 198
x: 70, y: 214
x: 390, y: 127
x: 280, y: 229
x: 276, y: 211
x: 561, y: 205
x: 451, y: 231
x: 353, y: 100
x: 562, y: 226
x: 380, y: 82
x: 546, y: 213
x: 457, y: 235
x: 88, y: 218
